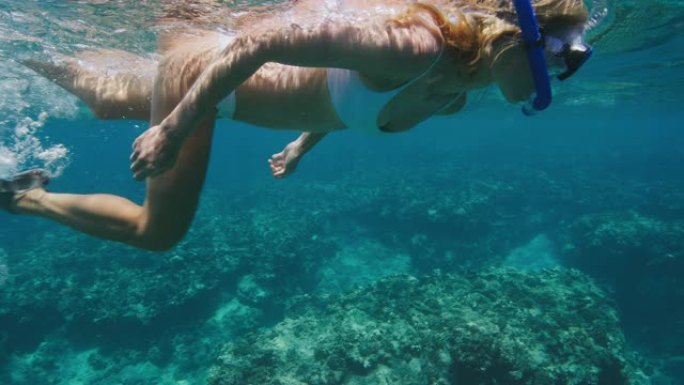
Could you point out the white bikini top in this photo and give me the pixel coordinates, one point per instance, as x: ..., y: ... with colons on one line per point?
x: 357, y: 106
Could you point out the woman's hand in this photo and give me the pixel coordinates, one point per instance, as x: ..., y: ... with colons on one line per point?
x: 154, y: 152
x: 285, y: 163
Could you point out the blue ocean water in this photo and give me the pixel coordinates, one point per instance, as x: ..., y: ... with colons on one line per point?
x: 594, y: 183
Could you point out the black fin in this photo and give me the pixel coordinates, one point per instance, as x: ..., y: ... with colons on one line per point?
x: 19, y: 183
x: 27, y: 180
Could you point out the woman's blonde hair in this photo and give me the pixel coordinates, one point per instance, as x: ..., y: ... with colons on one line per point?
x: 470, y: 27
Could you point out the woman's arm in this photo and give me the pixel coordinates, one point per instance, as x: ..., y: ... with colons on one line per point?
x: 377, y: 48
x: 371, y: 50
x: 308, y: 140
x: 285, y: 162
x: 455, y: 106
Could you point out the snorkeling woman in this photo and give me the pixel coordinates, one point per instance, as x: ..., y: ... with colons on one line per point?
x: 316, y: 66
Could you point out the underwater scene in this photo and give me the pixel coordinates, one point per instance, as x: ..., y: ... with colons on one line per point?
x: 483, y: 248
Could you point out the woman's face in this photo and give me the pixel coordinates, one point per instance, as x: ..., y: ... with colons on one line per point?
x: 511, y: 70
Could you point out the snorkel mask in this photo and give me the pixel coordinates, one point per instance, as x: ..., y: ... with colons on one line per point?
x: 572, y: 55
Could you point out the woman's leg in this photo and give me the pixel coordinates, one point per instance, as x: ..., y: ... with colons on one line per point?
x: 160, y: 223
x: 171, y: 198
x: 115, y: 84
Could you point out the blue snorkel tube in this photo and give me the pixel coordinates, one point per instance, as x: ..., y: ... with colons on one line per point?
x: 534, y: 45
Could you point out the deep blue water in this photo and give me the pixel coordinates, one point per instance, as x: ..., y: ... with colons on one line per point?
x: 611, y: 144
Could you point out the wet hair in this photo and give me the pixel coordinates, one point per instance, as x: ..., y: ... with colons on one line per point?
x: 475, y: 28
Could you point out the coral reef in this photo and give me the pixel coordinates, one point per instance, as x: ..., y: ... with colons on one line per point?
x: 249, y: 256
x: 624, y: 241
x: 497, y: 327
x: 220, y: 282
x: 641, y: 259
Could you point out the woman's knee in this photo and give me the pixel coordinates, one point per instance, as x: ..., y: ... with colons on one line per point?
x: 159, y: 237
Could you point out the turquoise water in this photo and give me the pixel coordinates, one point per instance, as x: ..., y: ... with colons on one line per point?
x: 284, y: 281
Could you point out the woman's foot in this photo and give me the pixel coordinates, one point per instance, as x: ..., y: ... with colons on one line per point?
x: 12, y: 188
